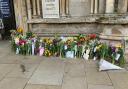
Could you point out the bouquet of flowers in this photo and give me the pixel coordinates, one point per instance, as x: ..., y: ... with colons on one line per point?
x: 117, y: 55
x: 86, y: 46
x: 69, y: 48
x: 80, y: 46
x: 111, y: 57
x: 103, y: 51
x: 24, y: 43
x: 90, y: 43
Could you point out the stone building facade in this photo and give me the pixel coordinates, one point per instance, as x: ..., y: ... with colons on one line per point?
x: 73, y: 16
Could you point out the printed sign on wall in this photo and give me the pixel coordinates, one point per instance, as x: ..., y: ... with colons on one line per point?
x: 50, y: 8
x: 5, y: 8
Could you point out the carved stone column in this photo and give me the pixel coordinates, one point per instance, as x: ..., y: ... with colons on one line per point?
x: 60, y: 9
x: 127, y: 5
x: 122, y: 6
x: 63, y: 7
x: 38, y: 7
x: 34, y: 7
x: 29, y: 11
x: 92, y: 6
x: 67, y: 7
x: 102, y: 6
x: 96, y: 7
x: 110, y: 6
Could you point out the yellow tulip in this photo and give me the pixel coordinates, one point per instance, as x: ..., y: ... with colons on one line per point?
x: 16, y: 40
x: 20, y: 30
x: 118, y: 46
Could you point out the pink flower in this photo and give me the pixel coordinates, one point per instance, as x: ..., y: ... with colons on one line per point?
x: 92, y: 36
x: 22, y: 42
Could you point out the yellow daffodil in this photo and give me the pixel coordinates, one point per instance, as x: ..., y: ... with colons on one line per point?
x: 98, y: 47
x: 16, y: 40
x: 20, y: 30
x: 118, y: 46
x: 33, y: 35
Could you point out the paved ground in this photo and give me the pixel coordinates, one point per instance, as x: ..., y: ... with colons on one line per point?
x: 55, y: 73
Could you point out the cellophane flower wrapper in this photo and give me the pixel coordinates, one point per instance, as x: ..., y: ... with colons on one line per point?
x: 105, y: 65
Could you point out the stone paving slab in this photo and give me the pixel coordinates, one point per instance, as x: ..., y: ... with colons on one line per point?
x: 13, y: 83
x: 4, y: 53
x: 74, y: 69
x: 58, y: 72
x: 119, y: 79
x: 37, y: 86
x: 96, y: 77
x: 100, y: 87
x: 74, y: 83
x: 5, y: 69
x: 49, y: 72
x: 2, y: 77
x: 11, y: 59
x: 32, y: 59
x: 91, y: 63
x: 5, y: 44
x: 17, y: 59
x: 17, y: 71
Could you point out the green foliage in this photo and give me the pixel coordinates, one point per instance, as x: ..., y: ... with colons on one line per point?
x: 122, y: 60
x: 103, y: 51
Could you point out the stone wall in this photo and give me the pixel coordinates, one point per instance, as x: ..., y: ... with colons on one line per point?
x: 65, y: 29
x: 73, y: 23
x: 20, y: 14
x: 79, y: 19
x: 79, y: 7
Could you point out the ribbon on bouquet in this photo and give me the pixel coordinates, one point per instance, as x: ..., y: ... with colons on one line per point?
x: 75, y: 48
x: 17, y: 50
x: 41, y: 51
x: 33, y: 48
x: 86, y: 55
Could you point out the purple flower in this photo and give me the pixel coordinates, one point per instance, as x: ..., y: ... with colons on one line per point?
x: 113, y: 49
x: 33, y: 40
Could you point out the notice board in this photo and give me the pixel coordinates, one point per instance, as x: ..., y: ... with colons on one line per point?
x: 5, y: 8
x: 50, y: 8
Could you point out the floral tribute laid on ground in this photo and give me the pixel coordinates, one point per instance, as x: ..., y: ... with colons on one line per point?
x: 84, y: 46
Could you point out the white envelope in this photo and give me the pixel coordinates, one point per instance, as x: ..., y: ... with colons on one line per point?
x: 94, y: 58
x: 86, y: 56
x: 70, y: 54
x: 87, y: 51
x: 17, y: 50
x: 117, y: 57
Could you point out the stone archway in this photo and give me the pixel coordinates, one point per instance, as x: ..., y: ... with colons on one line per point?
x: 117, y: 30
x: 114, y: 30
